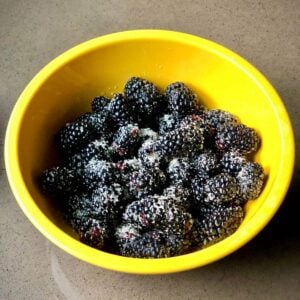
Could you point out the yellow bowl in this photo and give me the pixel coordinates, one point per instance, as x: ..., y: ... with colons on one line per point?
x: 63, y: 89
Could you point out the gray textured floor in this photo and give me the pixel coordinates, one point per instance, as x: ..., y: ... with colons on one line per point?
x: 264, y: 32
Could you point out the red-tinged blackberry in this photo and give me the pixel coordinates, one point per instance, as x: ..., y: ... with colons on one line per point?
x: 217, y: 117
x: 119, y: 110
x: 150, y: 155
x: 221, y: 188
x: 97, y: 172
x: 207, y: 161
x: 251, y: 180
x: 219, y: 222
x: 183, y: 140
x: 179, y: 194
x: 146, y: 181
x: 143, y: 94
x: 99, y: 103
x: 197, y: 186
x: 126, y: 140
x: 179, y: 170
x: 181, y: 99
x: 59, y: 181
x: 232, y: 162
x: 97, y: 148
x: 237, y: 137
x: 168, y: 122
x: 94, y: 234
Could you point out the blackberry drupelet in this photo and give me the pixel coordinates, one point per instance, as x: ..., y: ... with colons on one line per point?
x: 59, y: 181
x: 119, y: 110
x: 181, y: 99
x: 221, y: 188
x: 126, y: 140
x: 143, y: 94
x: 237, y: 137
x: 179, y: 170
x: 251, y: 180
x: 207, y: 161
x: 99, y: 103
x: 232, y: 162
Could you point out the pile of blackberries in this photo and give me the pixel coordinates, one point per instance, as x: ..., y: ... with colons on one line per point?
x: 154, y: 174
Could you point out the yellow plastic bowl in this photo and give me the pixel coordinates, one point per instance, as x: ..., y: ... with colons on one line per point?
x: 62, y: 90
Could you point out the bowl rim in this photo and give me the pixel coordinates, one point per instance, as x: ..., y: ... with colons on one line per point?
x: 138, y: 265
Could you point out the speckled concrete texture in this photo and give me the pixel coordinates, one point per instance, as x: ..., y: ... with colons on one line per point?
x: 267, y: 33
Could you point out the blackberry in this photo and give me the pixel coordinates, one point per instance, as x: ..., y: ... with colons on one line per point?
x: 181, y: 99
x: 197, y: 186
x: 97, y: 148
x: 214, y: 118
x: 143, y: 94
x: 148, y: 134
x: 167, y: 123
x: 183, y: 140
x: 99, y: 103
x: 232, y: 162
x: 178, y: 194
x: 73, y: 136
x: 59, y: 181
x: 94, y: 234
x: 150, y: 155
x: 97, y: 172
x: 221, y: 188
x: 179, y: 170
x: 207, y: 161
x: 119, y: 110
x: 146, y: 181
x: 251, y: 180
x: 237, y: 137
x: 100, y: 124
x: 218, y: 223
x: 126, y: 140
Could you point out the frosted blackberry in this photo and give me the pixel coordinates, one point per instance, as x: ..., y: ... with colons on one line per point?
x: 99, y: 103
x: 251, y: 180
x: 181, y: 99
x: 59, y: 180
x: 94, y: 233
x: 100, y: 124
x: 143, y: 94
x: 179, y: 170
x: 221, y: 188
x: 148, y: 134
x: 126, y: 140
x: 119, y: 110
x: 197, y: 186
x: 150, y: 154
x: 97, y: 148
x: 97, y: 172
x: 167, y: 123
x: 178, y: 194
x: 183, y: 140
x: 217, y: 117
x: 219, y: 222
x: 146, y: 181
x: 237, y: 137
x: 207, y: 161
x: 232, y: 162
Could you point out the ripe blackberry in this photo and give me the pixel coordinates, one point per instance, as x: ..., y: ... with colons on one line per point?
x: 150, y: 155
x: 181, y: 99
x: 94, y: 234
x: 59, y: 181
x: 143, y: 94
x: 251, y: 180
x: 237, y: 137
x: 219, y: 222
x: 97, y: 172
x: 167, y: 123
x: 99, y: 103
x: 146, y: 181
x: 180, y: 195
x: 217, y: 117
x: 232, y: 162
x: 97, y: 148
x: 207, y: 161
x: 126, y: 140
x: 183, y: 140
x: 197, y: 186
x: 119, y: 110
x: 221, y: 188
x: 179, y: 170
x: 100, y: 124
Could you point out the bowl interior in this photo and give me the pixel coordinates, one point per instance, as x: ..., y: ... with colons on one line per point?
x: 64, y: 89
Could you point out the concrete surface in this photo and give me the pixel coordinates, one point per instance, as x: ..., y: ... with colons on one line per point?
x: 264, y: 32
